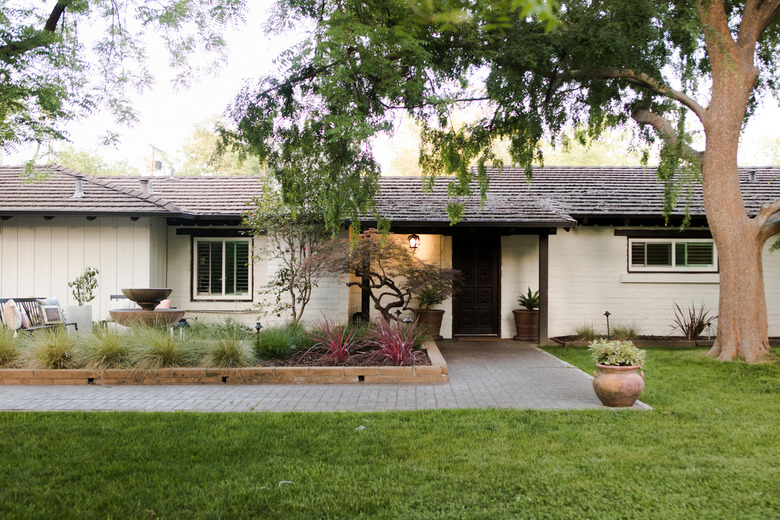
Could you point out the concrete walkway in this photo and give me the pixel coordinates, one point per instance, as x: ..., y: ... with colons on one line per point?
x: 483, y: 374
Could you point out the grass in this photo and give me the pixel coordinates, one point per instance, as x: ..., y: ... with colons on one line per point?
x: 710, y: 449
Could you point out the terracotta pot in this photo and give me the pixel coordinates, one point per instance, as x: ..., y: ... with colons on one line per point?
x: 618, y: 386
x: 430, y: 320
x: 527, y: 324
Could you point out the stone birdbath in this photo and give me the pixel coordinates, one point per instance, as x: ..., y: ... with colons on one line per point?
x: 147, y: 299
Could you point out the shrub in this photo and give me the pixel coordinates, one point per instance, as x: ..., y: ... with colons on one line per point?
x: 104, y: 349
x: 586, y: 333
x: 395, y: 342
x: 616, y: 353
x: 625, y: 332
x: 282, y: 342
x: 152, y: 348
x: 9, y: 348
x: 529, y: 301
x: 229, y: 329
x: 229, y: 352
x: 333, y: 343
x: 52, y: 348
x: 692, y: 321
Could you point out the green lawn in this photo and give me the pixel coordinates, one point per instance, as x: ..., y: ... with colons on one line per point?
x: 710, y: 449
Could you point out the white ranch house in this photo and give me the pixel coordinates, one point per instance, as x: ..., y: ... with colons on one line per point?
x: 591, y: 239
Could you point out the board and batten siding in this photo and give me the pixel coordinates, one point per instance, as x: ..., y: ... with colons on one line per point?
x: 38, y: 257
x: 330, y: 299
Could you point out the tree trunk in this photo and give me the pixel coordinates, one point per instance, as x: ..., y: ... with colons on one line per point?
x: 742, y: 318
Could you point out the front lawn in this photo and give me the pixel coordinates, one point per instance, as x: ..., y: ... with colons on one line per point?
x: 710, y: 449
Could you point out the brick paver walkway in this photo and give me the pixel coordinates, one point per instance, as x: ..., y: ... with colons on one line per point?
x: 498, y: 374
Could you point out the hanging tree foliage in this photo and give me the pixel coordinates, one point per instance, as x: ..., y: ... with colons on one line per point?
x: 657, y: 66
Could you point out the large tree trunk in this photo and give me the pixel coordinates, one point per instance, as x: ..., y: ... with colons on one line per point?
x: 742, y: 320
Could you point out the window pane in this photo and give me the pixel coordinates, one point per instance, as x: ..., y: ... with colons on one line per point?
x: 679, y: 254
x: 699, y: 254
x: 242, y: 267
x: 230, y: 267
x: 216, y: 267
x: 638, y: 253
x: 659, y: 254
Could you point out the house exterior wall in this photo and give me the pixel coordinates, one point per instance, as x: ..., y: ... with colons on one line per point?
x: 519, y: 272
x: 330, y: 298
x: 38, y: 257
x: 589, y: 276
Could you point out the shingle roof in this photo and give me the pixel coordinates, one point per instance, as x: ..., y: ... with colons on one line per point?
x: 403, y: 200
x: 556, y: 196
x: 55, y: 194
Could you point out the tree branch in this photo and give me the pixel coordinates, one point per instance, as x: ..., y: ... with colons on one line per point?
x: 763, y: 220
x: 666, y: 131
x: 12, y: 49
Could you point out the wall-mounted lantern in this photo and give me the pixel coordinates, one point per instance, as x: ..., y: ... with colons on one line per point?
x: 414, y: 242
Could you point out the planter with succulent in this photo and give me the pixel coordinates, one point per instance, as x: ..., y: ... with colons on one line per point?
x: 527, y: 319
x: 430, y: 319
x: 618, y: 381
x: 83, y: 292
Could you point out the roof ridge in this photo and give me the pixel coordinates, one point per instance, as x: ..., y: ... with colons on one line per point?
x: 151, y: 198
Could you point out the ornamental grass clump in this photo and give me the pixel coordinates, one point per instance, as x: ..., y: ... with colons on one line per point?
x: 9, y: 348
x: 333, y: 343
x: 229, y: 352
x: 616, y: 353
x: 282, y: 342
x: 395, y: 342
x: 152, y: 348
x: 104, y: 349
x: 52, y: 348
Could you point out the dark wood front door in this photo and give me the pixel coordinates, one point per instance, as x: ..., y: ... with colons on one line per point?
x: 476, y: 306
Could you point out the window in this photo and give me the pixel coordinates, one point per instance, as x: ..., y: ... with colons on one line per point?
x: 672, y: 255
x: 222, y: 268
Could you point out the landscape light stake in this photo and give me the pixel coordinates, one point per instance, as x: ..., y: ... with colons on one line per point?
x: 607, y: 314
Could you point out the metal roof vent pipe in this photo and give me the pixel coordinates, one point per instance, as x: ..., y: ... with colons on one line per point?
x: 79, y: 192
x: 752, y: 176
x: 171, y: 173
x: 146, y: 187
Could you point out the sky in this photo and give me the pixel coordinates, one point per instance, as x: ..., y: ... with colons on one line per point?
x: 167, y: 117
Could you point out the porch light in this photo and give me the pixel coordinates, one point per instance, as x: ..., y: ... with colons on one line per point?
x: 414, y: 242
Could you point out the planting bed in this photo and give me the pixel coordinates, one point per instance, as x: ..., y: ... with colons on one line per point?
x: 436, y: 372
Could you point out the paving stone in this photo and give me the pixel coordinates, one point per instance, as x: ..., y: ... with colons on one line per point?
x: 482, y: 374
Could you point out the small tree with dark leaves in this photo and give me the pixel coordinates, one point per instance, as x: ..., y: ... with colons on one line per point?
x: 385, y: 268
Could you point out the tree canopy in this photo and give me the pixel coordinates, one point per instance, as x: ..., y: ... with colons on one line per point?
x: 60, y: 59
x: 658, y: 66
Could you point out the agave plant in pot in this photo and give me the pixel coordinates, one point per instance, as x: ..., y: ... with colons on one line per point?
x: 430, y: 319
x: 618, y: 381
x: 527, y: 319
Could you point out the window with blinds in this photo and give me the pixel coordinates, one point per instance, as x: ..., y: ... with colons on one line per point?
x: 672, y: 255
x: 222, y: 268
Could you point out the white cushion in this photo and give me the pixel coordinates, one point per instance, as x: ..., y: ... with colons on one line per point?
x: 12, y: 317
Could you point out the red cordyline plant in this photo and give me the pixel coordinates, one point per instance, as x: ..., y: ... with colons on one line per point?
x: 394, y: 342
x: 333, y: 343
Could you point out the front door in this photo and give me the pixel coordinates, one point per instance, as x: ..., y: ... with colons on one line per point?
x: 476, y: 306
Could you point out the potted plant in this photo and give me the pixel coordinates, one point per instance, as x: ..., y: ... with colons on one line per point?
x: 83, y: 292
x: 527, y: 318
x: 430, y: 319
x: 618, y: 381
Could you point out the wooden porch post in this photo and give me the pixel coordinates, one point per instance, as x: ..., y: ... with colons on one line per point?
x: 544, y: 272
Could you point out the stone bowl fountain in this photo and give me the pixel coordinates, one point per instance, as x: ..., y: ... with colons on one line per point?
x: 147, y: 299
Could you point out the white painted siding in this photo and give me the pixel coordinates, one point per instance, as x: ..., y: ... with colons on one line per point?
x: 519, y: 271
x: 330, y: 298
x: 39, y: 257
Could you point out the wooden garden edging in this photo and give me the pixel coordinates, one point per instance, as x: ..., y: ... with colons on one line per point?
x: 435, y: 373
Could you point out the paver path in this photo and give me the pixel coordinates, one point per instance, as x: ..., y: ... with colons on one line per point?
x: 499, y: 374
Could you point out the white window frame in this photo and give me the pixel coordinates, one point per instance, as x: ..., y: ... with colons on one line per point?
x: 674, y: 268
x: 216, y: 296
